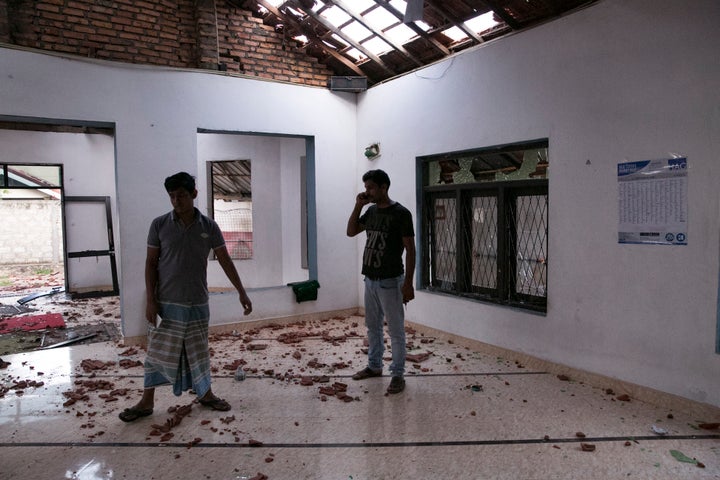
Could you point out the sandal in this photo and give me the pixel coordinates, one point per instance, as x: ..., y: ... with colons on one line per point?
x: 216, y: 404
x: 133, y: 413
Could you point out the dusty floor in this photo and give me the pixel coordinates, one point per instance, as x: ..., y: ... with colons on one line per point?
x: 465, y: 414
x: 86, y: 320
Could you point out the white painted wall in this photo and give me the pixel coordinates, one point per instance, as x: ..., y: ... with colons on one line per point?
x: 622, y: 80
x: 156, y: 113
x: 291, y: 152
x: 275, y: 173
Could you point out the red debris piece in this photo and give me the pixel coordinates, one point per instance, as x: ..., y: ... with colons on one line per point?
x: 564, y: 378
x: 315, y: 364
x: 623, y: 398
x: 127, y: 363
x: 234, y: 365
x: 259, y: 476
x: 418, y: 357
x: 327, y: 391
x: 130, y: 351
x: 92, y: 365
x: 255, y: 443
x: 173, y: 421
x: 257, y: 346
x: 709, y: 426
x: 587, y: 447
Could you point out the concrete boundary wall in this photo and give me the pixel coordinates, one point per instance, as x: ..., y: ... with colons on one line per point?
x: 31, y: 232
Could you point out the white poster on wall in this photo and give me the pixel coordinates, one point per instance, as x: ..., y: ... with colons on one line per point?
x: 653, y: 201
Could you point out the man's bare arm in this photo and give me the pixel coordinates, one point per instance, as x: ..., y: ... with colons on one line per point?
x: 151, y: 280
x: 353, y: 225
x: 407, y: 288
x: 229, y: 268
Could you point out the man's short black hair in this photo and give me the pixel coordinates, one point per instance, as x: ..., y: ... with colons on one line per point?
x: 180, y: 180
x: 378, y: 177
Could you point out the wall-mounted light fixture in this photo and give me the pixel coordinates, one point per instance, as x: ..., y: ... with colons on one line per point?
x: 372, y: 151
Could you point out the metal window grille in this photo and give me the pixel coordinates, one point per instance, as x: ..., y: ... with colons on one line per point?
x: 529, y: 250
x: 237, y: 229
x: 488, y: 242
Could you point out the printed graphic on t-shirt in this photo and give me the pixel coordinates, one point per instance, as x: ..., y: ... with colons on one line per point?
x: 378, y: 228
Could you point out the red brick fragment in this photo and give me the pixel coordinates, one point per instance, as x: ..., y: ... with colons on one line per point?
x: 327, y: 391
x: 418, y: 357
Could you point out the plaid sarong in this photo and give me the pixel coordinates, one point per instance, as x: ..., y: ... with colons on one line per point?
x: 178, y: 349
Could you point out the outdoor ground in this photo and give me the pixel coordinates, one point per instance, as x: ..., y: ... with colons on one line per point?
x: 86, y: 320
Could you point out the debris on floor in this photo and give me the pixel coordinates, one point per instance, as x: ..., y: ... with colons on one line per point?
x: 86, y: 320
x: 31, y: 322
x: 681, y: 457
x: 587, y: 447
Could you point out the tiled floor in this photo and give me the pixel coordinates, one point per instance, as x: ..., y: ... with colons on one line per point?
x: 465, y: 413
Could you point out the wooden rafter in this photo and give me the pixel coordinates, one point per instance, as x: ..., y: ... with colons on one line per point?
x: 502, y: 14
x: 437, y: 6
x: 399, y: 48
x: 437, y: 45
x: 350, y: 41
x: 312, y: 37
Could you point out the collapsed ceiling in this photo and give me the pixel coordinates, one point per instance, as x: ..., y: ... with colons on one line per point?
x: 382, y: 39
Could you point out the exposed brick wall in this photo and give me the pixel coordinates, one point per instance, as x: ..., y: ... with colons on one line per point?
x: 207, y: 34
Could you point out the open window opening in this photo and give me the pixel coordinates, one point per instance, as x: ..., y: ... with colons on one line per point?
x: 31, y: 238
x: 231, y: 205
x: 259, y: 188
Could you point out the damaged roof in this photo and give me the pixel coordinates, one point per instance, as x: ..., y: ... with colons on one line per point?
x: 383, y: 39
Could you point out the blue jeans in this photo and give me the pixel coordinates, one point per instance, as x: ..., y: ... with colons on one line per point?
x: 384, y: 300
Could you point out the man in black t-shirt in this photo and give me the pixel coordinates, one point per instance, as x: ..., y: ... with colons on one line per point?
x: 388, y: 282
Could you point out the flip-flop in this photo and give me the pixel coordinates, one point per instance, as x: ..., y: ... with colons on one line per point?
x: 216, y: 404
x: 131, y: 414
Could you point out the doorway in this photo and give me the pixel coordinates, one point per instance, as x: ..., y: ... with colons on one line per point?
x: 57, y: 244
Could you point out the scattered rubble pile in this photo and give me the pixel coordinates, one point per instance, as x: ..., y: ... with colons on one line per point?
x: 86, y: 320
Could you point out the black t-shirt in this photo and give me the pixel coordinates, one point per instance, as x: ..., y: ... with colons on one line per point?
x: 385, y: 228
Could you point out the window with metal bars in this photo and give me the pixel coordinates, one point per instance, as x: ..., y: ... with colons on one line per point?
x: 231, y: 205
x: 485, y: 224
